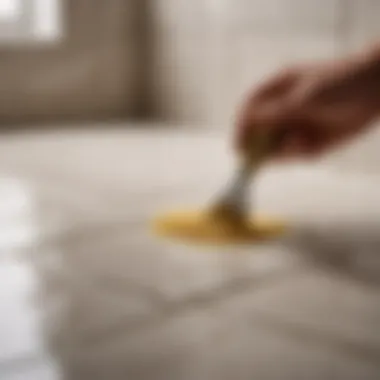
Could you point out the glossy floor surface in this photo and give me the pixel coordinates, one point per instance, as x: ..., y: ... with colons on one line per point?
x: 86, y: 291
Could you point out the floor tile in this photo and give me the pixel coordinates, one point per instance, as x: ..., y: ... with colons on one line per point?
x: 333, y: 306
x: 211, y: 345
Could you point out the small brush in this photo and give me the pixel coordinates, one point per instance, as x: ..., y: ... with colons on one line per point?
x: 233, y: 206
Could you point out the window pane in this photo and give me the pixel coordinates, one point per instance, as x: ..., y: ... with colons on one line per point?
x: 30, y: 21
x: 47, y: 20
x: 9, y: 10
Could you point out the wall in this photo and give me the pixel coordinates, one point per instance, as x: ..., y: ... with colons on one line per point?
x: 93, y: 73
x: 184, y: 72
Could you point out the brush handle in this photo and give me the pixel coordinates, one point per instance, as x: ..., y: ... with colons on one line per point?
x: 261, y: 148
x: 233, y: 204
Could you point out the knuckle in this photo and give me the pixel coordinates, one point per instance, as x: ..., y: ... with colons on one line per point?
x: 289, y: 71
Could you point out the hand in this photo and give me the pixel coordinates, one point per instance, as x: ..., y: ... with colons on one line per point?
x: 314, y: 108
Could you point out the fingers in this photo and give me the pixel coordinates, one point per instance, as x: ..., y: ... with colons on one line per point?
x: 304, y: 140
x: 263, y: 107
x: 300, y: 135
x: 312, y: 105
x: 286, y: 103
x: 278, y: 86
x: 255, y: 122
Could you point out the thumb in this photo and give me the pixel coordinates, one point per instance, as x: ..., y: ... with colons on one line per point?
x: 263, y: 119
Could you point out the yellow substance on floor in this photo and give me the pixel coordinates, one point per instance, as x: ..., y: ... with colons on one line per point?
x: 205, y: 228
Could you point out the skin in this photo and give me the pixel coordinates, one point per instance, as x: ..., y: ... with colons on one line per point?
x: 314, y: 108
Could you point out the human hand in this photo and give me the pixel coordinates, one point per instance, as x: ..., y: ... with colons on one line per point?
x: 313, y: 108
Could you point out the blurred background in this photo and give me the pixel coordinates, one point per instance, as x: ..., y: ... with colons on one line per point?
x: 171, y: 62
x: 112, y: 110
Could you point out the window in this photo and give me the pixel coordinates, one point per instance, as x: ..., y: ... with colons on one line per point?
x: 35, y: 21
x: 9, y: 10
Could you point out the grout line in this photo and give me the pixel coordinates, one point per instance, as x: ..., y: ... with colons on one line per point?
x: 311, y: 336
x: 209, y: 299
x: 198, y: 300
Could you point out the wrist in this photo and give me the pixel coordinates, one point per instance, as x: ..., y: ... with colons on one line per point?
x: 355, y: 80
x: 365, y: 78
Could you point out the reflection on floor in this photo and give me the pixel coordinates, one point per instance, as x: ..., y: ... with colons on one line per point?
x: 86, y: 292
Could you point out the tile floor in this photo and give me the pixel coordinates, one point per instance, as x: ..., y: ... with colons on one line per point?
x: 86, y: 292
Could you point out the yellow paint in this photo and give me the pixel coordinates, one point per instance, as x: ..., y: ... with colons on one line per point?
x: 206, y: 228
